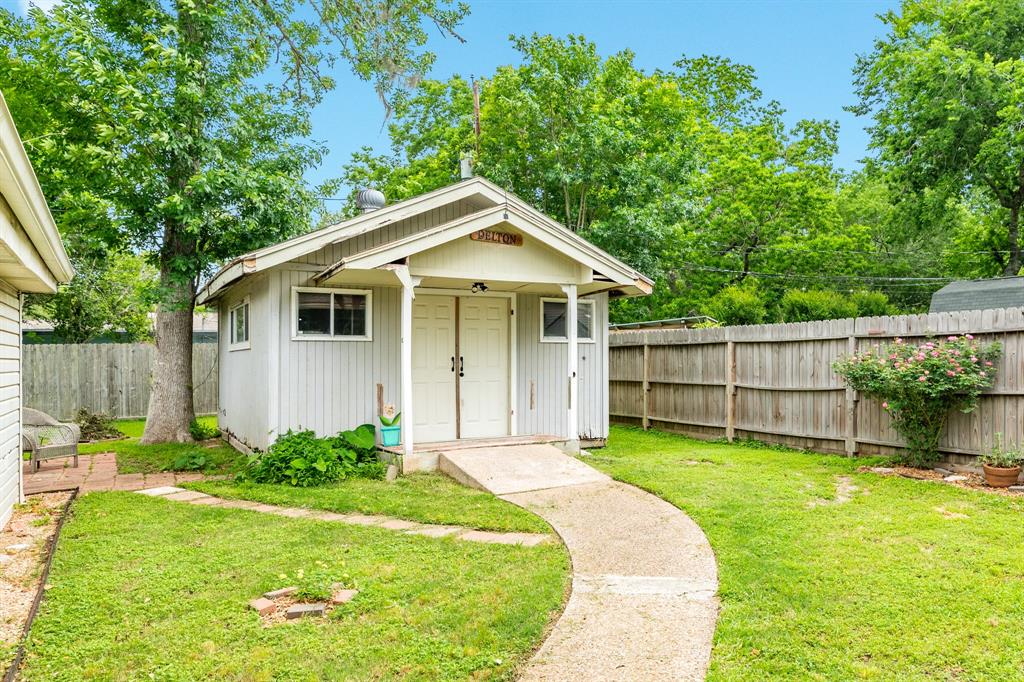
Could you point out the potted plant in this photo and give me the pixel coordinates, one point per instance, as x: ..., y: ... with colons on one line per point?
x: 390, y: 431
x: 1001, y: 466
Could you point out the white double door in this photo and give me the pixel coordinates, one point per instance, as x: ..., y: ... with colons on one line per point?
x: 460, y: 367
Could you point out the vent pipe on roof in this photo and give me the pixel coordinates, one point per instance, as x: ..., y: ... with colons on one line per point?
x: 466, y: 167
x: 369, y: 200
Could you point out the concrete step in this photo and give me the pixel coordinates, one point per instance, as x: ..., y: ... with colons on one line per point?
x: 502, y: 470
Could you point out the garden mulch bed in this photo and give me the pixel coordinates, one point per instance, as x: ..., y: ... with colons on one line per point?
x: 24, y: 543
x: 970, y: 481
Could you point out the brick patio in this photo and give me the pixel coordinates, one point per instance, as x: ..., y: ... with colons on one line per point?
x: 94, y: 472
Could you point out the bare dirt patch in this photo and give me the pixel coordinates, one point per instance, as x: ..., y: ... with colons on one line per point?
x: 961, y: 479
x: 845, y: 488
x: 23, y: 544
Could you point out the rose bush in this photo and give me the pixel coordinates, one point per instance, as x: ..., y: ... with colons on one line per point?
x: 919, y: 385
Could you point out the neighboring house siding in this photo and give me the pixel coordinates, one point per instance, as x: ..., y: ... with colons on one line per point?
x: 10, y: 399
x: 542, y: 372
x: 328, y: 386
x: 243, y: 373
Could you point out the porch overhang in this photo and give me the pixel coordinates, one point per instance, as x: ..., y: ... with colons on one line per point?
x: 596, y: 271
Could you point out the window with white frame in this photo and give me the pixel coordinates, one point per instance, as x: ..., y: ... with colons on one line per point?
x: 553, y: 319
x: 342, y: 314
x: 238, y: 325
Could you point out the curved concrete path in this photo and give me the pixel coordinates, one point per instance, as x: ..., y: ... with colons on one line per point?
x: 643, y: 603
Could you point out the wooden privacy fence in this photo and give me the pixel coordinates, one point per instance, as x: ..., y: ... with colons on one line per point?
x: 106, y: 377
x: 775, y: 382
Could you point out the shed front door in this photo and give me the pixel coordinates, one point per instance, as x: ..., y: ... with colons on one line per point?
x: 460, y: 371
x: 483, y: 382
x: 433, y: 368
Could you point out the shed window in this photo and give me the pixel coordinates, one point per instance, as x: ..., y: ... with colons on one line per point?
x: 238, y: 323
x: 553, y: 319
x: 337, y: 314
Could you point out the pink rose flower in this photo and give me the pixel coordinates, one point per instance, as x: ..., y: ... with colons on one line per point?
x: 885, y: 406
x: 922, y: 378
x: 982, y: 374
x: 988, y: 364
x: 969, y: 336
x: 950, y: 373
x: 951, y: 338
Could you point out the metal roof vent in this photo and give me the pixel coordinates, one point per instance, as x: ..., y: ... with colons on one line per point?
x: 369, y: 200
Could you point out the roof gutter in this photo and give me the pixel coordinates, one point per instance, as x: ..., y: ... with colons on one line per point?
x: 28, y: 202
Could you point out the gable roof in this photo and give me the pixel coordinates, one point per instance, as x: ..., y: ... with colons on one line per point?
x: 979, y: 294
x: 493, y: 202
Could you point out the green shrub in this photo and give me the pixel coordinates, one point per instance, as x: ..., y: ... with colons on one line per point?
x: 871, y: 303
x: 202, y: 431
x: 919, y: 384
x: 304, y: 460
x: 806, y: 306
x: 96, y: 425
x: 192, y: 460
x: 1001, y: 457
x: 737, y: 305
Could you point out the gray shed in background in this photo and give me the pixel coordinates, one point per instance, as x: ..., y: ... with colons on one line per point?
x: 979, y: 294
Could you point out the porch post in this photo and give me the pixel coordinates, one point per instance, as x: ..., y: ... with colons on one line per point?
x: 572, y: 430
x: 408, y: 294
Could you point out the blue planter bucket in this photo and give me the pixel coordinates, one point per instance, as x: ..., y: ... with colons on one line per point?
x: 390, y: 435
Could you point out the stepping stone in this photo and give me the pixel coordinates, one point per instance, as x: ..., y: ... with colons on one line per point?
x: 361, y: 519
x: 209, y: 501
x: 435, y: 531
x: 399, y: 524
x: 291, y: 512
x: 305, y: 610
x: 1016, y: 488
x: 487, y: 536
x: 343, y: 596
x: 162, y: 490
x: 262, y: 605
x: 283, y: 592
x: 186, y: 496
x: 329, y: 516
x: 954, y: 478
x: 20, y: 547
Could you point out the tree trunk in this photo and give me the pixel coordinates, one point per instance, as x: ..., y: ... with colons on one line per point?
x: 1013, y: 230
x: 171, y: 409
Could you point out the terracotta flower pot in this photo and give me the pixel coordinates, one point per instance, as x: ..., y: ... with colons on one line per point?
x: 1000, y: 477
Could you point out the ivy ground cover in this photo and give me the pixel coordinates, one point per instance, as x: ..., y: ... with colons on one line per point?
x: 828, y: 573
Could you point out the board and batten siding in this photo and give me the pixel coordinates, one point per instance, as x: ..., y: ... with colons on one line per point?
x: 542, y: 374
x: 244, y: 373
x: 329, y: 385
x: 10, y: 400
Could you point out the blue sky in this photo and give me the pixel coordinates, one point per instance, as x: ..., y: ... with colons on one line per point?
x: 803, y: 53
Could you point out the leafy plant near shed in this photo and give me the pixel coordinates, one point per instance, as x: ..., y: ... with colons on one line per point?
x: 302, y: 459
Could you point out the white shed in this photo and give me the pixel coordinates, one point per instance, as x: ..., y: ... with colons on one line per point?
x: 32, y: 259
x: 475, y: 314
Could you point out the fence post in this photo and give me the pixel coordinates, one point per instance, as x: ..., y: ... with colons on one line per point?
x: 851, y: 406
x: 730, y: 390
x: 647, y: 386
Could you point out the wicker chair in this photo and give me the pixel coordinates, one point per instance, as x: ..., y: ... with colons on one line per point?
x: 47, y: 438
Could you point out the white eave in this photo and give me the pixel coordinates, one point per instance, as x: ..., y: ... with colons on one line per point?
x: 49, y: 264
x: 521, y: 215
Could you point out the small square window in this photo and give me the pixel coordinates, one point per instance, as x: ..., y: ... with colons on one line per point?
x: 334, y: 314
x: 238, y: 324
x: 553, y: 320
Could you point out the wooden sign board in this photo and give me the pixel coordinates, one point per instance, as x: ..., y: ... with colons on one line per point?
x: 493, y: 237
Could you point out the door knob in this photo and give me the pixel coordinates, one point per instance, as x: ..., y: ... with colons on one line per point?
x: 453, y: 363
x: 462, y: 366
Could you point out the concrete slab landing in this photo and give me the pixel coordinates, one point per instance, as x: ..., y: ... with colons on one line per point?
x: 515, y: 469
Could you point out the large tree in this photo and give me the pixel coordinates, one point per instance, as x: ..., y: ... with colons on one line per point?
x: 181, y: 128
x: 946, y: 90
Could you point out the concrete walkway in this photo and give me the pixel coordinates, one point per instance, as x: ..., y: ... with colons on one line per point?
x: 643, y: 603
x: 380, y: 521
x: 94, y: 473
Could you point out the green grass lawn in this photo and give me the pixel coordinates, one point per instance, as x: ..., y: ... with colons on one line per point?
x: 145, y: 588
x: 905, y: 581
x: 133, y: 458
x: 428, y: 498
